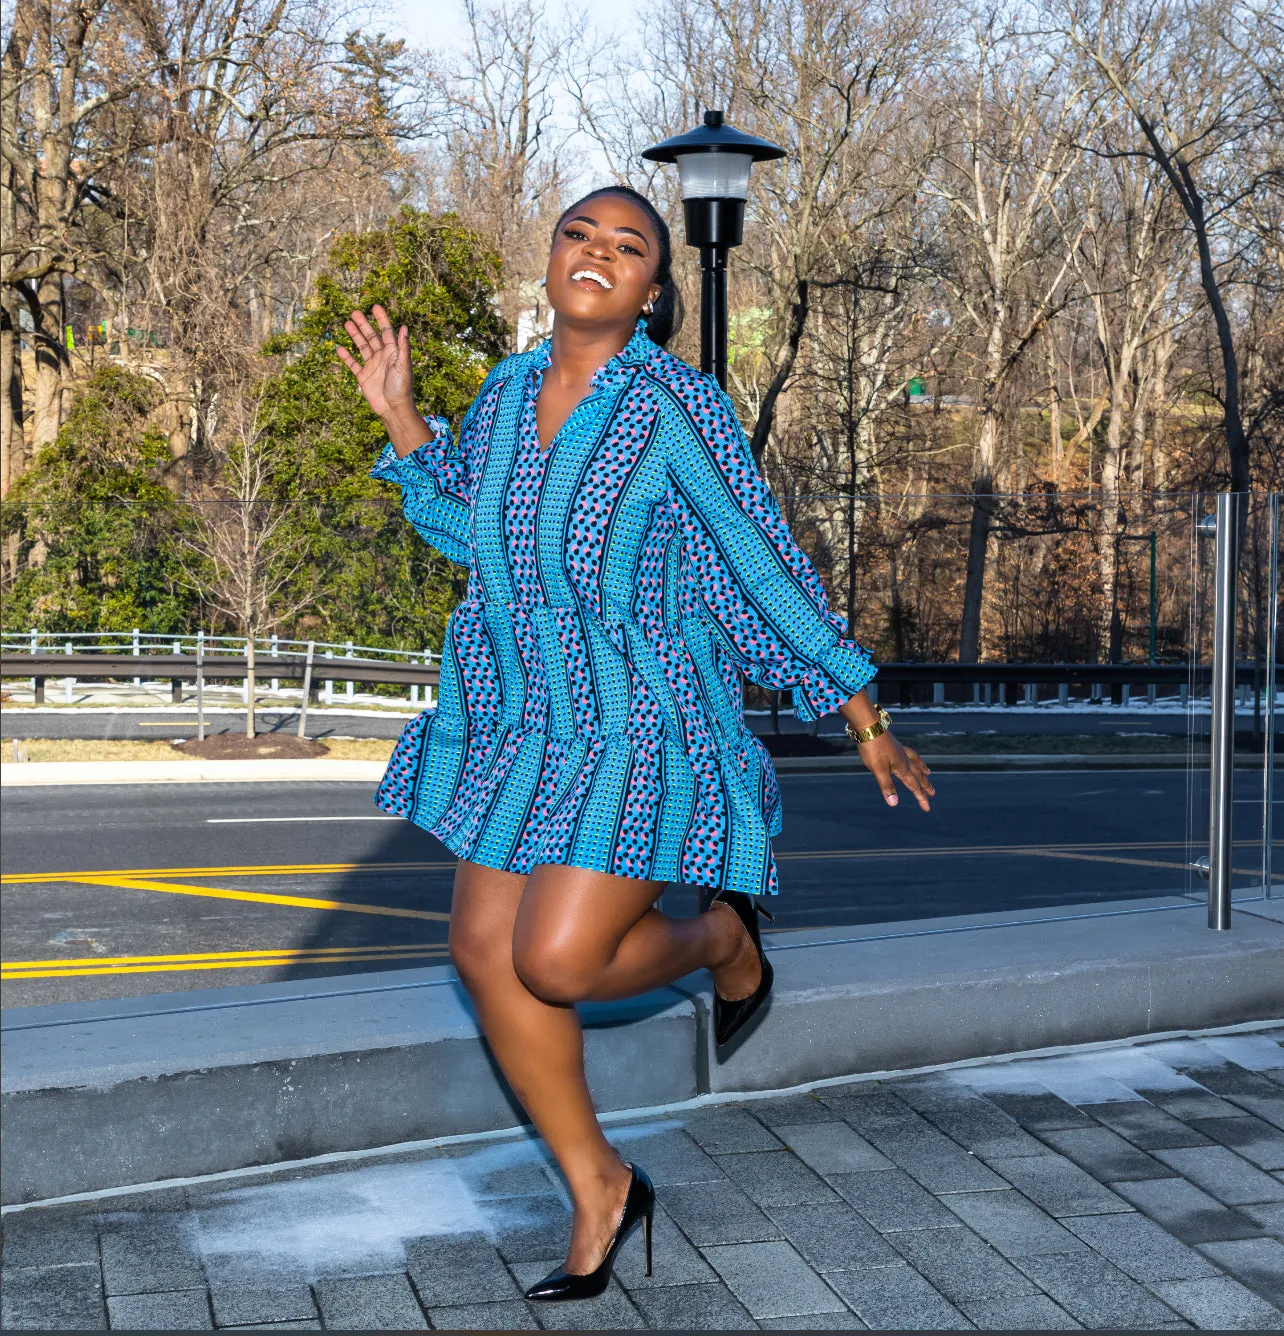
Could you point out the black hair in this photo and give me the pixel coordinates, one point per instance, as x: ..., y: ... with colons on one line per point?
x: 666, y: 318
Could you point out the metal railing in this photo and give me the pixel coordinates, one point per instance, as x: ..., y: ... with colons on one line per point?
x: 275, y: 658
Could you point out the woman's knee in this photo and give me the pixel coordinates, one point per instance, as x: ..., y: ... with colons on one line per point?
x: 480, y: 937
x: 476, y: 954
x: 553, y: 973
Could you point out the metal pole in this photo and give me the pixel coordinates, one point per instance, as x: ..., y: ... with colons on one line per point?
x: 1222, y: 692
x: 249, y: 686
x: 200, y: 686
x: 1154, y: 599
x: 1268, y: 750
x: 713, y: 312
x: 307, y: 689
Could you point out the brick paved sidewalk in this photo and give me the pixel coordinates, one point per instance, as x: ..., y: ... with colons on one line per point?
x: 1135, y: 1187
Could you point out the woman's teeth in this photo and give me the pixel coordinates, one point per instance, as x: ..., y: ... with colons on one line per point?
x: 590, y: 273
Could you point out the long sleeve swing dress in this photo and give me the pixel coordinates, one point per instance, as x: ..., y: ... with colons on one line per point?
x: 619, y: 582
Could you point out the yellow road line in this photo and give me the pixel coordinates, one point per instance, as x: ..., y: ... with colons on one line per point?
x: 322, y: 869
x: 7, y: 973
x: 196, y: 873
x: 218, y: 955
x: 254, y: 897
x: 251, y: 870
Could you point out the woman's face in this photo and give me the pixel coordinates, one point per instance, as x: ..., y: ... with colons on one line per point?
x: 602, y: 267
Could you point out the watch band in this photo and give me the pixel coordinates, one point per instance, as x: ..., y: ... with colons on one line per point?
x: 871, y: 731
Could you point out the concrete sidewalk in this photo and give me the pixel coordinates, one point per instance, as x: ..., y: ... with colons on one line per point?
x: 1137, y: 1186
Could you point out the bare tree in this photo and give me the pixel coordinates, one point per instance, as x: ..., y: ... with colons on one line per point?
x: 1012, y: 147
x: 497, y: 160
x: 1198, y: 119
x: 239, y: 557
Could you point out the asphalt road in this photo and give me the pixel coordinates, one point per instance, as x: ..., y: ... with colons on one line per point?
x: 245, y: 883
x: 17, y: 722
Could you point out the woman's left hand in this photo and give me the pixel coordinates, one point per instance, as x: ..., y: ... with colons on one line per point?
x: 888, y: 759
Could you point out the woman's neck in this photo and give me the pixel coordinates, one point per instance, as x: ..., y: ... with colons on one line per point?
x: 579, y: 350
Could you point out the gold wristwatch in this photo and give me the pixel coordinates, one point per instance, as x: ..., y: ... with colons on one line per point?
x: 871, y: 731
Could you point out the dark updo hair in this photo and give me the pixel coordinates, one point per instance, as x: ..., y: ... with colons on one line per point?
x: 666, y: 319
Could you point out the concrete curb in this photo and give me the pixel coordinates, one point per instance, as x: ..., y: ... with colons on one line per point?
x: 99, y: 1095
x: 16, y: 775
x: 39, y: 773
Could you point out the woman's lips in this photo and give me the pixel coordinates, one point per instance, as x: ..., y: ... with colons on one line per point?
x: 591, y: 278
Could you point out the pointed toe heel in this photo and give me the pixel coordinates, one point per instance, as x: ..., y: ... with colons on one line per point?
x: 639, y: 1208
x: 730, y: 1015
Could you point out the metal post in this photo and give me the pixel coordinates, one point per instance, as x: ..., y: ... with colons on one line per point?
x: 1154, y: 600
x: 69, y: 684
x: 249, y: 686
x: 1268, y: 750
x: 138, y: 681
x: 713, y: 312
x: 200, y: 686
x: 427, y: 685
x: 1222, y: 694
x: 347, y: 654
x: 35, y: 647
x: 276, y: 681
x: 329, y: 682
x: 307, y: 690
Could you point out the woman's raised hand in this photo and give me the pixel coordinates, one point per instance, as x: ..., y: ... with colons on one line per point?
x: 382, y: 365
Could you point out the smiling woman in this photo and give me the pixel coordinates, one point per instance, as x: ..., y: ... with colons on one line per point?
x: 626, y: 565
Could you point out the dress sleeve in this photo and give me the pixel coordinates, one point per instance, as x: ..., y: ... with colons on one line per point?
x: 758, y: 586
x: 435, y: 490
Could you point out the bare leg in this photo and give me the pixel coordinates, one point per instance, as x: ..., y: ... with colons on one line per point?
x: 539, y: 1046
x: 566, y: 930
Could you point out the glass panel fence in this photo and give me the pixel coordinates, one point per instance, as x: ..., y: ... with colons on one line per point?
x: 1048, y: 654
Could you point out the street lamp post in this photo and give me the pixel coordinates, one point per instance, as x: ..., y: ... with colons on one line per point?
x: 713, y: 163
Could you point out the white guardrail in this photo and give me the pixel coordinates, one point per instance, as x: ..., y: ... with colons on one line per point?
x: 266, y: 648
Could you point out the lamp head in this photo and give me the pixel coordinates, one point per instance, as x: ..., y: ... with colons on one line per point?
x: 714, y: 161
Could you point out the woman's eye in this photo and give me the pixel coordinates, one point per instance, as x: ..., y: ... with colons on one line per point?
x: 632, y: 250
x: 574, y: 233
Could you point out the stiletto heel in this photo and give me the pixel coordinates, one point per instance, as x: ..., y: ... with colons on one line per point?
x: 729, y: 1014
x: 639, y: 1207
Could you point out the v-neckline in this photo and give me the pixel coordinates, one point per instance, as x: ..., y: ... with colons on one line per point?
x: 539, y: 444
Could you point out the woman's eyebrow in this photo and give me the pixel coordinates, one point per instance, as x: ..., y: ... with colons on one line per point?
x: 592, y: 222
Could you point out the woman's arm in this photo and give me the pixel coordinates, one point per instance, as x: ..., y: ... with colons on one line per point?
x: 383, y: 372
x: 761, y: 589
x: 421, y: 456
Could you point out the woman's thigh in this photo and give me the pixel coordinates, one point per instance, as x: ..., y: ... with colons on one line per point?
x: 569, y: 923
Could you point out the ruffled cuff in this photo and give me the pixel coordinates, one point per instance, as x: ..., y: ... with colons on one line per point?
x: 839, y: 673
x: 411, y: 468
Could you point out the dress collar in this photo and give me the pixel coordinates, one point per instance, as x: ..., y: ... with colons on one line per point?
x: 636, y: 352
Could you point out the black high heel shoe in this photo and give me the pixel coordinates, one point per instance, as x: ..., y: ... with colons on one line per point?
x: 639, y: 1205
x: 730, y: 1014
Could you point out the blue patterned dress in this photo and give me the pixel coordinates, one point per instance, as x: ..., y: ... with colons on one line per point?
x: 589, y: 710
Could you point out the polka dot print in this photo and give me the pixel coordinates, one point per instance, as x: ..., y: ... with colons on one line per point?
x: 620, y: 584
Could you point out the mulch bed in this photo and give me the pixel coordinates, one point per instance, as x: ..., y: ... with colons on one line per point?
x: 237, y: 747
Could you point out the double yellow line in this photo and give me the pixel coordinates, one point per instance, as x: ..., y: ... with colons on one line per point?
x: 216, y: 960
x: 145, y: 879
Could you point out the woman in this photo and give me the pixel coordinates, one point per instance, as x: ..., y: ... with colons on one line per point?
x: 626, y: 563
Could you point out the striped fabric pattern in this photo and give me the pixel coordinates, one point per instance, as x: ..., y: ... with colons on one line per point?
x: 620, y: 582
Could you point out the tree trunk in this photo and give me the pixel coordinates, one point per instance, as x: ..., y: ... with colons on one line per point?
x: 1110, y: 522
x: 51, y: 358
x: 767, y: 413
x: 978, y: 543
x: 12, y: 450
